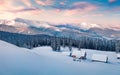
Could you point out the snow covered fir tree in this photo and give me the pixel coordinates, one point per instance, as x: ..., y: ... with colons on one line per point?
x: 31, y: 41
x: 117, y: 44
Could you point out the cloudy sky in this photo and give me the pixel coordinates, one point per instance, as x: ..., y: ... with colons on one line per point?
x: 105, y: 12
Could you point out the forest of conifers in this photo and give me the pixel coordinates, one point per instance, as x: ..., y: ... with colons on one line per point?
x: 31, y: 41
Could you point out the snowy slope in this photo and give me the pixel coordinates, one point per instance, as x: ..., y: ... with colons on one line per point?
x: 44, y: 61
x: 17, y: 61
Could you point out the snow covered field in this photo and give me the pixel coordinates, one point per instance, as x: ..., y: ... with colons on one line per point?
x: 44, y: 61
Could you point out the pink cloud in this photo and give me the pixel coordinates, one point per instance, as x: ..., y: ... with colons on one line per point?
x: 74, y: 14
x: 12, y: 7
x: 81, y: 8
x: 62, y: 3
x: 23, y: 10
x: 57, y: 10
x: 1, y: 2
x: 9, y: 5
x: 83, y: 5
x: 98, y: 15
x: 45, y: 2
x: 111, y: 1
x: 116, y: 27
x: 27, y: 3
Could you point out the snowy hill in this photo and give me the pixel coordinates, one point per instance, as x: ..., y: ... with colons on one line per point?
x: 44, y: 61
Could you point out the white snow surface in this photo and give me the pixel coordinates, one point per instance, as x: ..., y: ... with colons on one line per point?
x: 99, y: 57
x: 118, y: 55
x: 44, y: 61
x: 78, y: 53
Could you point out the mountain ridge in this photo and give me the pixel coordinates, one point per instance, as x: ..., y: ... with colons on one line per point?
x: 34, y: 27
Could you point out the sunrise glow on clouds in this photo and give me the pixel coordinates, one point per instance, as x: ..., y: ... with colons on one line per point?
x: 106, y: 12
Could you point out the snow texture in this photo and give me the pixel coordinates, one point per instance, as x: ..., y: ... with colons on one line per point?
x: 99, y: 57
x: 118, y: 55
x: 78, y: 53
x: 44, y: 61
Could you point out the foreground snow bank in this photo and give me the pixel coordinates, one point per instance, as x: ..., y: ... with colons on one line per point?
x: 44, y: 61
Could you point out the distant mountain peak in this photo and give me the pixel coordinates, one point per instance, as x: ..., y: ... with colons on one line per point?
x: 87, y: 26
x: 7, y: 22
x: 26, y: 26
